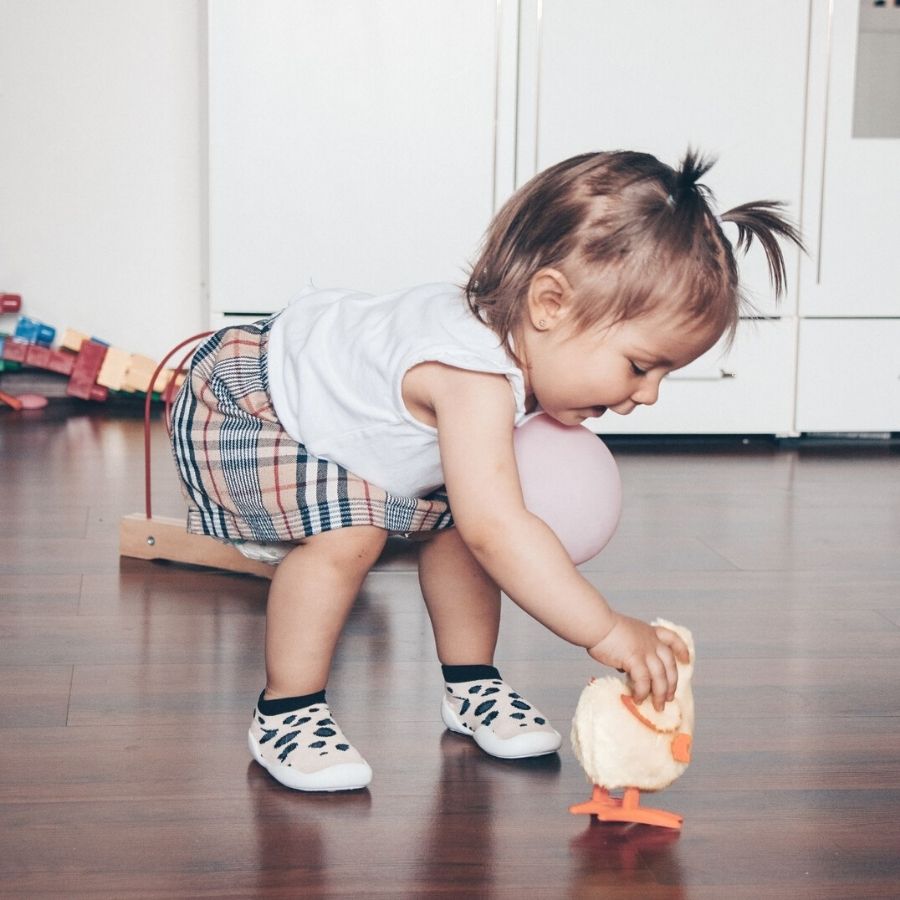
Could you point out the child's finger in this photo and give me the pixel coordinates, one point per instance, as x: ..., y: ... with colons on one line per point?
x: 640, y: 683
x: 659, y: 683
x: 673, y: 640
x: 668, y: 660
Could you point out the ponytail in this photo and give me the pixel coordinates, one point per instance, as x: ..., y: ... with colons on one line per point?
x: 764, y: 221
x: 688, y: 204
x: 686, y: 189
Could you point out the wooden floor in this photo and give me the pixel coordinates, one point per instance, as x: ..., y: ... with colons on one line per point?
x: 126, y: 689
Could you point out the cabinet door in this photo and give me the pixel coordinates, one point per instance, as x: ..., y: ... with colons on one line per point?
x: 848, y: 375
x: 746, y: 390
x: 853, y: 161
x: 350, y: 144
x: 727, y: 78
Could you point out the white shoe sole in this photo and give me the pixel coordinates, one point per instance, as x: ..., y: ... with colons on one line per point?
x: 535, y: 743
x: 341, y: 777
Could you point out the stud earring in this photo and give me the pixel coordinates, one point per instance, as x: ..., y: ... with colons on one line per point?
x: 542, y: 324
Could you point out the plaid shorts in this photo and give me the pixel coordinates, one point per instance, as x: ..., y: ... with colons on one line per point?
x: 245, y: 478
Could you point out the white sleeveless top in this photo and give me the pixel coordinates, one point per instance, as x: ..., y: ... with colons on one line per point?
x: 336, y: 363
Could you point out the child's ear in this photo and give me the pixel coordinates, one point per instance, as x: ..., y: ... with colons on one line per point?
x: 549, y: 299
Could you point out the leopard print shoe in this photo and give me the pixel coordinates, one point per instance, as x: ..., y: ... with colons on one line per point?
x: 306, y: 750
x: 498, y: 719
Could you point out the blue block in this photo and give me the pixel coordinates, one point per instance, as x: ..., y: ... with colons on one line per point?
x: 34, y: 332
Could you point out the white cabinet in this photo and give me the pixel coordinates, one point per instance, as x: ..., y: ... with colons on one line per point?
x: 728, y: 78
x: 350, y: 144
x: 852, y: 184
x: 848, y: 375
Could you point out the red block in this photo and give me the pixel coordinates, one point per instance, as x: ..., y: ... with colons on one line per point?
x: 10, y: 303
x: 45, y: 358
x: 83, y: 381
x: 14, y: 350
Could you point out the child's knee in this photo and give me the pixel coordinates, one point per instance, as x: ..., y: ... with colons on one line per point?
x: 355, y: 547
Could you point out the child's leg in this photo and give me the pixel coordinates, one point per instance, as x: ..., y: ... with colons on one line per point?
x: 463, y: 600
x: 293, y: 734
x: 464, y: 605
x: 311, y: 596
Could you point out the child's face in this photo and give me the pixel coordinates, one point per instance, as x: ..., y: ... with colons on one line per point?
x: 578, y: 376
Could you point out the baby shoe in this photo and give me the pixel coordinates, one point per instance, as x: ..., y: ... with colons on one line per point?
x: 306, y: 750
x: 499, y: 720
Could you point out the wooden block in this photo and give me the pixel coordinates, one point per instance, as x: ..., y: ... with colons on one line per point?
x: 38, y: 356
x: 14, y: 350
x: 54, y: 360
x: 34, y: 332
x: 163, y: 537
x: 139, y: 380
x: 162, y: 380
x: 83, y: 381
x: 140, y: 371
x: 72, y: 340
x: 5, y: 364
x: 113, y: 371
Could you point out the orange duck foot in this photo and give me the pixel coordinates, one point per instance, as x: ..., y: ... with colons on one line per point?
x: 626, y: 809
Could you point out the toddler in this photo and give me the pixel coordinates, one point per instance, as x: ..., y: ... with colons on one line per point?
x: 347, y: 417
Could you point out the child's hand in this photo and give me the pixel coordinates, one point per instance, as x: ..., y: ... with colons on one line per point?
x: 646, y: 654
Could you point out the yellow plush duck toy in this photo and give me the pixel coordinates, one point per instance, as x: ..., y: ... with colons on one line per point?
x: 624, y: 745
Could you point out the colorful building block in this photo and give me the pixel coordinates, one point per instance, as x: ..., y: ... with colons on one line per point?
x: 140, y: 371
x: 14, y: 350
x: 45, y: 358
x: 113, y: 371
x: 10, y: 303
x: 5, y: 365
x: 72, y: 340
x: 94, y: 368
x: 34, y: 332
x: 83, y: 380
x: 37, y: 355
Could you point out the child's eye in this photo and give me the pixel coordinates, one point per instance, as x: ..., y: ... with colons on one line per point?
x: 637, y: 369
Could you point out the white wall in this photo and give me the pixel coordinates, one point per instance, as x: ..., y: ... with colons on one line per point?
x: 102, y: 211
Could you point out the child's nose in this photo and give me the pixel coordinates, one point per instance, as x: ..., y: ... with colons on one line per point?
x: 647, y: 393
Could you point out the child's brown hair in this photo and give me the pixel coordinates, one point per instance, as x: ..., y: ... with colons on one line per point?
x: 632, y: 235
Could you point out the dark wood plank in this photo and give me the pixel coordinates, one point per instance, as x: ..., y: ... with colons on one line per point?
x: 32, y: 696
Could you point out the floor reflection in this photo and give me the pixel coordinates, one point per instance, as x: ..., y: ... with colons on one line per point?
x: 296, y: 835
x: 477, y: 804
x: 633, y: 854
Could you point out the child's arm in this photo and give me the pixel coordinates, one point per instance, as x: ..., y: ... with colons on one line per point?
x: 475, y: 417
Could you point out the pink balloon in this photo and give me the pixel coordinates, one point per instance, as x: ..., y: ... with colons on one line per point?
x: 571, y: 481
